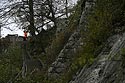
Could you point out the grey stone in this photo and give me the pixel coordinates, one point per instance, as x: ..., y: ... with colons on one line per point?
x: 105, y: 69
x: 50, y: 69
x: 73, y: 44
x: 60, y: 65
x: 59, y: 70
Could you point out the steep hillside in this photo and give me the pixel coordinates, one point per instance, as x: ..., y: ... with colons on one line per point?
x: 95, y: 47
x: 72, y: 46
x: 86, y: 47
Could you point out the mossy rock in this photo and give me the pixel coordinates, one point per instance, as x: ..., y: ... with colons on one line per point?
x: 123, y: 52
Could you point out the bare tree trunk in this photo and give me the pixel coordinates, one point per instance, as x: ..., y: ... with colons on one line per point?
x: 24, y: 68
x: 0, y: 40
x: 31, y: 18
x: 52, y: 11
x: 66, y: 9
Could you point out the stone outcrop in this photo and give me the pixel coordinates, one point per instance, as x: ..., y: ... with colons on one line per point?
x: 109, y: 66
x: 64, y: 58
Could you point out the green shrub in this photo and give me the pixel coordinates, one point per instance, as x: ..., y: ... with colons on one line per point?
x: 10, y: 63
x: 101, y: 24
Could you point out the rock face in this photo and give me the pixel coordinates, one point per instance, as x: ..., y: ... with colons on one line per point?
x: 109, y: 67
x: 64, y: 58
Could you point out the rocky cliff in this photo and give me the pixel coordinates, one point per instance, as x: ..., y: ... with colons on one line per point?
x: 108, y: 66
x: 74, y: 43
